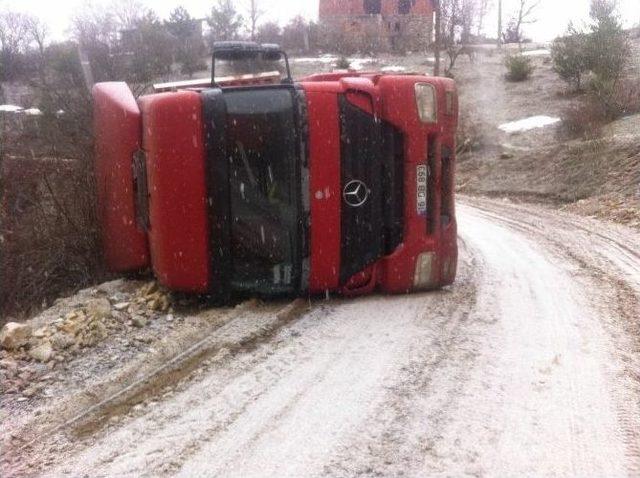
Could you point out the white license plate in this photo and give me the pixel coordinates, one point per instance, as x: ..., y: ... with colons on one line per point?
x: 421, y: 190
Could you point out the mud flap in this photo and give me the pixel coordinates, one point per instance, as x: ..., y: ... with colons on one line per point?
x: 118, y: 138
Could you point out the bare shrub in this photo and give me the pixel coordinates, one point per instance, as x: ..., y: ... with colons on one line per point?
x: 469, y: 135
x: 584, y: 120
x: 49, y: 240
x: 603, y: 103
x: 627, y: 96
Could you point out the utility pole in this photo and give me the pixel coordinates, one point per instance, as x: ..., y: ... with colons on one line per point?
x: 436, y: 5
x: 499, y: 23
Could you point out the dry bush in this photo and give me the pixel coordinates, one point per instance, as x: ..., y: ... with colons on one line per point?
x: 605, y: 102
x: 49, y: 240
x: 469, y: 136
x: 49, y: 237
x: 626, y: 96
x: 584, y: 120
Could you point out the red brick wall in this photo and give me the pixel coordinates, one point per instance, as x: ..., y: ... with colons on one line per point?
x: 329, y: 8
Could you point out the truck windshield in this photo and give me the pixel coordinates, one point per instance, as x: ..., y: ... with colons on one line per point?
x: 263, y: 157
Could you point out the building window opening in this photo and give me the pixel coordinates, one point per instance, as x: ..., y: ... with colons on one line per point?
x: 373, y: 7
x: 405, y: 6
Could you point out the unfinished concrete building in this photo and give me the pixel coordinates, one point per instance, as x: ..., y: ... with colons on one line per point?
x: 391, y: 25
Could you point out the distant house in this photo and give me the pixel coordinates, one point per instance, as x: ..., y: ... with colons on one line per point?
x: 398, y: 24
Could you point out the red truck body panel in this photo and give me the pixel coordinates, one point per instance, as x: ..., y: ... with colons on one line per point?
x: 118, y: 129
x: 179, y: 227
x: 325, y: 190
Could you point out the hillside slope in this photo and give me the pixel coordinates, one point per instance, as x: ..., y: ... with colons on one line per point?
x: 599, y: 176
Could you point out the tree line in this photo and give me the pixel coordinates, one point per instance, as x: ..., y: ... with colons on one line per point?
x: 128, y: 40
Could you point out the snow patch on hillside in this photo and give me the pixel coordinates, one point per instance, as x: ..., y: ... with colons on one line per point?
x: 527, y: 124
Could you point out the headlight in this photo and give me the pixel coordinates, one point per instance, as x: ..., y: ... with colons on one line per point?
x: 426, y: 100
x: 424, y: 269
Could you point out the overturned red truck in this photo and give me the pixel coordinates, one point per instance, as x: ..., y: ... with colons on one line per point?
x: 254, y: 183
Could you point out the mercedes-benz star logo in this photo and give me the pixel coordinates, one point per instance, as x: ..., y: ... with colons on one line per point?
x: 356, y: 193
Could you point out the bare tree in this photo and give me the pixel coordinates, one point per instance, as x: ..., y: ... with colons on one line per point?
x: 93, y: 24
x: 469, y: 13
x: 483, y: 8
x: 457, y: 19
x: 254, y: 13
x: 269, y: 32
x: 37, y: 32
x: 438, y: 36
x: 499, y: 40
x: 14, y: 39
x: 96, y: 30
x: 295, y: 34
x: 524, y: 16
x: 128, y: 13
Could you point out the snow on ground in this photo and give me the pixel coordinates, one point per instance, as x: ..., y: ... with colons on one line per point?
x: 19, y: 109
x: 541, y: 52
x: 527, y: 124
x: 356, y: 63
x: 393, y: 68
x: 10, y: 108
x: 359, y: 63
x: 322, y: 59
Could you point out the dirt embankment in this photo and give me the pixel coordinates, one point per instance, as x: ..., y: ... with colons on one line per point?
x: 598, y: 176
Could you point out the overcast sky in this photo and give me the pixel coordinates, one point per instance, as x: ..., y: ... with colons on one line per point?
x: 553, y: 15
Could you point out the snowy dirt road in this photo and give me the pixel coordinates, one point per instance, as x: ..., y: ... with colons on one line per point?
x: 528, y: 366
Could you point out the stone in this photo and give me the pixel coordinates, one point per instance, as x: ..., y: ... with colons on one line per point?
x: 31, y: 391
x: 154, y: 304
x: 150, y: 288
x: 42, y: 353
x: 14, y: 335
x: 9, y: 364
x: 72, y: 315
x: 122, y: 306
x: 138, y: 321
x: 41, y: 333
x: 62, y: 341
x: 99, y: 309
x: 71, y: 326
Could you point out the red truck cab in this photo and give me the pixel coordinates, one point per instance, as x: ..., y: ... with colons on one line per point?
x: 258, y: 184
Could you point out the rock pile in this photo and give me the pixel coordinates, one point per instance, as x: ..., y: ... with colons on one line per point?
x: 34, y: 348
